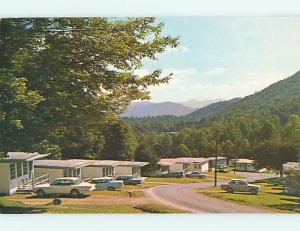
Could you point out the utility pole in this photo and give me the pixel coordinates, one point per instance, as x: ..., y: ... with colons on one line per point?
x: 216, y: 160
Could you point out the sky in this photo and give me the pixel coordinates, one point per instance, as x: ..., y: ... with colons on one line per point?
x: 225, y: 57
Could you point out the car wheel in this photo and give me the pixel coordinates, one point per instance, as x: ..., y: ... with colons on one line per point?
x: 253, y: 191
x: 75, y: 193
x: 110, y: 188
x: 41, y: 193
x: 230, y: 190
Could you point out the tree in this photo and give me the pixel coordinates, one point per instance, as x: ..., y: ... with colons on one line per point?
x: 268, y: 132
x: 120, y: 142
x: 83, y: 71
x: 274, y: 155
x: 291, y: 130
x: 182, y: 151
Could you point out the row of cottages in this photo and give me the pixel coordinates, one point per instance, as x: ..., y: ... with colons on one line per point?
x: 182, y: 164
x: 16, y: 169
x: 291, y: 166
x: 86, y: 169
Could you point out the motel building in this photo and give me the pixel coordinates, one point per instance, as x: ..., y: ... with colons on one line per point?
x: 181, y: 164
x: 16, y: 170
x: 87, y: 169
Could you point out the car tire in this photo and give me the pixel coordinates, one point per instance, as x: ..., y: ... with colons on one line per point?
x: 253, y: 191
x: 75, y: 193
x: 41, y: 193
x: 111, y: 188
x: 230, y: 190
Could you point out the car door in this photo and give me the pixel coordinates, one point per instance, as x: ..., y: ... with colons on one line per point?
x: 243, y: 186
x: 64, y: 186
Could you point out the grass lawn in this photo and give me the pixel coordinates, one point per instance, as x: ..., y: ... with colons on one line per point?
x: 176, y: 180
x: 270, y: 198
x: 210, y: 177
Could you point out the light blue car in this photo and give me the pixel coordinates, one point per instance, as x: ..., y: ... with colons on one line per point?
x: 107, y: 183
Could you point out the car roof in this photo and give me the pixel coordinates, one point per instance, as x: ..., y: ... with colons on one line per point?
x: 68, y: 178
x: 102, y: 178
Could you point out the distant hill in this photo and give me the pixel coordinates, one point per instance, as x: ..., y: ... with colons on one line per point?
x: 198, y: 104
x: 145, y: 109
x: 212, y: 109
x: 281, y: 99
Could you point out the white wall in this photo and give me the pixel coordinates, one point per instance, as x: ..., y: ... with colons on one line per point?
x: 54, y: 173
x: 91, y: 172
x: 4, y: 178
x: 124, y: 170
x: 176, y: 167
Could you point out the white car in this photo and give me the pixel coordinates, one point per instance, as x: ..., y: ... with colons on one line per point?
x: 68, y: 185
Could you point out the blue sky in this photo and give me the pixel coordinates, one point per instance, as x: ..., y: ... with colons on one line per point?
x: 226, y: 57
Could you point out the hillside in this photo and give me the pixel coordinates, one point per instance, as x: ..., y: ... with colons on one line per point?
x: 281, y: 99
x: 145, y: 109
x: 212, y: 109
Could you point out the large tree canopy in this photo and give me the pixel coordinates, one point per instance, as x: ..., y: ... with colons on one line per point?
x: 77, y: 74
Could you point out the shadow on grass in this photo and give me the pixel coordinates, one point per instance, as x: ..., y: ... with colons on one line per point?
x: 15, y: 209
x: 57, y: 196
x: 288, y: 207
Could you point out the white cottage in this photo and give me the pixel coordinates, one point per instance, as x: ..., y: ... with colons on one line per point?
x: 129, y: 168
x: 99, y: 168
x: 181, y: 164
x: 16, y: 169
x: 291, y: 166
x: 59, y: 168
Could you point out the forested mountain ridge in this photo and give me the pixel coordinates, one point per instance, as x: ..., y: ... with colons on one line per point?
x: 279, y: 99
x: 212, y: 109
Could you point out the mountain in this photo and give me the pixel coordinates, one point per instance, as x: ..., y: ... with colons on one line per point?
x: 212, y: 109
x: 198, y: 104
x: 279, y: 99
x: 144, y: 109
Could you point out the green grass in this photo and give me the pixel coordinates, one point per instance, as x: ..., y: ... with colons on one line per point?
x: 155, y: 208
x: 176, y: 180
x: 118, y: 193
x: 210, y: 177
x: 270, y: 198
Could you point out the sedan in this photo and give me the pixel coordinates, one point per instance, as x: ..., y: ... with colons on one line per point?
x: 68, y: 185
x: 107, y: 183
x: 241, y: 186
x: 195, y: 174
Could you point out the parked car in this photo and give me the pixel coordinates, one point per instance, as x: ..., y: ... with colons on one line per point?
x: 107, y: 183
x: 195, y: 174
x: 125, y: 178
x: 135, y: 181
x: 68, y: 185
x: 172, y: 174
x: 289, y: 190
x: 241, y: 186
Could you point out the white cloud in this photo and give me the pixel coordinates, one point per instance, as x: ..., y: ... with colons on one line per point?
x: 141, y: 72
x: 180, y: 49
x: 213, y: 72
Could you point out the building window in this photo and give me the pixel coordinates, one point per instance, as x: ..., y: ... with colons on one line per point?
x: 68, y: 172
x: 19, y: 169
x: 135, y: 170
x: 25, y: 168
x: 165, y: 168
x: 12, y: 170
x: 107, y: 171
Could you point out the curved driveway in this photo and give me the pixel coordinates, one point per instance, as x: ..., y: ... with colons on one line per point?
x: 181, y: 196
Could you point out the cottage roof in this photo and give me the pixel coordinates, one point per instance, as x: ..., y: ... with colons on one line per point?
x: 132, y: 163
x: 181, y: 160
x: 60, y: 163
x: 22, y: 156
x: 102, y: 162
x: 248, y: 161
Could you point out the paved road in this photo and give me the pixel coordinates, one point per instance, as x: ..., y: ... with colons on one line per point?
x: 181, y: 196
